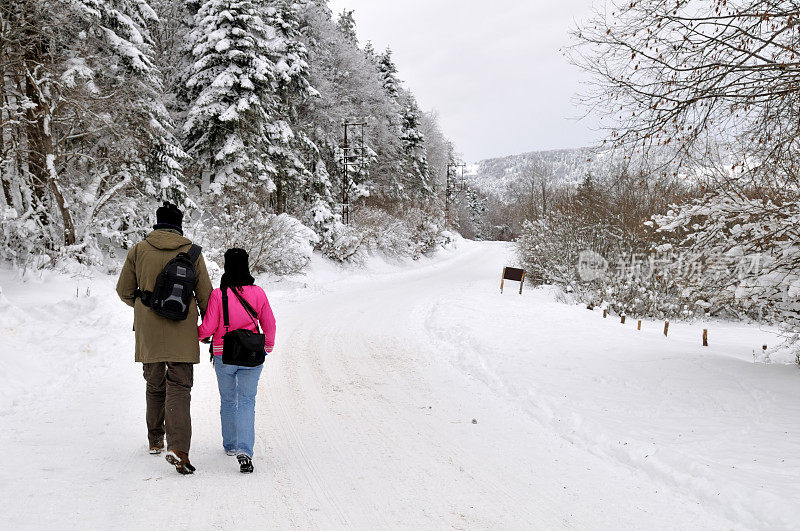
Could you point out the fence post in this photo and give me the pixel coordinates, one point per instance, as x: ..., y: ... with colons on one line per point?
x: 605, y: 313
x: 639, y: 326
x: 666, y: 328
x: 622, y: 319
x: 705, y: 337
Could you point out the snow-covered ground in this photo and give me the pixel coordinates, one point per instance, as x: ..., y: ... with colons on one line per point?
x: 365, y: 412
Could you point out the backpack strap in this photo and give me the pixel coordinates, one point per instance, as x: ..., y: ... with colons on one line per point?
x: 194, y: 252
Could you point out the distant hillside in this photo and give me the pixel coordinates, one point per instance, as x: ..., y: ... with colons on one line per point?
x: 564, y: 165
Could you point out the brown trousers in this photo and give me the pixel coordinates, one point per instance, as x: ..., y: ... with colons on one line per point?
x: 169, y: 395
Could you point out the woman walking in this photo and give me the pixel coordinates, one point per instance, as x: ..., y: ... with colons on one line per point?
x: 246, y: 306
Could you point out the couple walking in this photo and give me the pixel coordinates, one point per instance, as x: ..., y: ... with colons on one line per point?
x: 165, y: 279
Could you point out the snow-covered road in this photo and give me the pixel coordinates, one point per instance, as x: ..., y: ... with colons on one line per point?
x: 365, y: 413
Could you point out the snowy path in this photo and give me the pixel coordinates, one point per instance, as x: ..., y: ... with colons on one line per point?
x: 364, y: 415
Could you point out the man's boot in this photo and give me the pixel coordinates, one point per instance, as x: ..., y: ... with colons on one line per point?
x: 180, y: 460
x: 155, y: 450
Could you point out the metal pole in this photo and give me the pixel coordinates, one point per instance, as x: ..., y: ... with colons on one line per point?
x: 345, y: 216
x: 452, y: 165
x: 447, y: 195
x: 351, y: 156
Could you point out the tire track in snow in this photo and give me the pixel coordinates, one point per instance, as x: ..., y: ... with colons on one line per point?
x: 287, y: 424
x: 346, y: 346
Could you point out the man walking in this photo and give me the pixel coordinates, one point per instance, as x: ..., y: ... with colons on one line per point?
x: 164, y: 279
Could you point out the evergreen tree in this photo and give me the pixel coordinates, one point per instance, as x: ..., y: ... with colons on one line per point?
x: 415, y: 162
x: 476, y: 207
x: 388, y: 72
x: 347, y: 25
x: 589, y: 200
x: 290, y: 146
x: 369, y: 50
x: 230, y: 86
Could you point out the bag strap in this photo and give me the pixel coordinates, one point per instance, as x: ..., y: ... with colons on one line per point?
x: 194, y: 252
x: 249, y: 309
x: 225, y: 318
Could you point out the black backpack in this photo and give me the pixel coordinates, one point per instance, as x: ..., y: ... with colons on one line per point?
x: 174, y: 287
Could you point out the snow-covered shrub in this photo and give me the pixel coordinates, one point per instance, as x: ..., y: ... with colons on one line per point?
x: 549, y: 249
x: 744, y: 259
x: 341, y: 242
x: 645, y: 284
x: 279, y: 244
x: 744, y: 252
x: 601, y: 265
x: 20, y: 236
x: 426, y: 231
x: 541, y: 253
x: 380, y: 231
x: 336, y: 240
x: 413, y: 232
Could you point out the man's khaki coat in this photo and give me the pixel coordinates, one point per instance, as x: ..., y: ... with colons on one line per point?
x: 157, y: 338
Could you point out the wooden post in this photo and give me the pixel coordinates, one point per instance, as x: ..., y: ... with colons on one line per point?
x: 522, y: 282
x: 705, y: 337
x: 502, y: 279
x: 666, y: 328
x: 622, y: 319
x: 639, y: 326
x: 605, y: 313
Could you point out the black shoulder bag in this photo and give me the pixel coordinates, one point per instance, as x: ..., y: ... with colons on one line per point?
x: 241, y: 346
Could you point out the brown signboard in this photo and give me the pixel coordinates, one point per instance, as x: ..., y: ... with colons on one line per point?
x: 513, y: 273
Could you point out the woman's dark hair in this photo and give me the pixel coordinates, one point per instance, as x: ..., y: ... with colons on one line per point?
x: 237, y: 269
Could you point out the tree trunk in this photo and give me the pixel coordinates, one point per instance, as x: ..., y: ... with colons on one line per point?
x: 41, y: 153
x: 5, y: 162
x: 544, y: 199
x: 54, y: 183
x: 34, y: 51
x: 5, y: 115
x: 39, y: 117
x: 280, y: 196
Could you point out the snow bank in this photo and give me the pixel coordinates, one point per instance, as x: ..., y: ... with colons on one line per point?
x: 56, y: 327
x: 706, y: 422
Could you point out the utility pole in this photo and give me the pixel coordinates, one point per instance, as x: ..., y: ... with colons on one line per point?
x: 353, y: 155
x: 454, y: 167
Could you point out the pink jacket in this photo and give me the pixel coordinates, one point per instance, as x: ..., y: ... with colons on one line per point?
x: 239, y: 318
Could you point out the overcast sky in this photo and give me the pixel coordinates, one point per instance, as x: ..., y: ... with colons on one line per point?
x: 493, y: 70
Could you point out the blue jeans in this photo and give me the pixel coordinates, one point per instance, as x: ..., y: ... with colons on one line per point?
x: 237, y: 391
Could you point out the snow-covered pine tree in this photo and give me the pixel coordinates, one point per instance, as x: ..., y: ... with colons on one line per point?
x: 231, y: 96
x: 292, y: 151
x: 476, y: 206
x: 369, y: 51
x: 416, y: 175
x: 236, y: 76
x: 388, y: 72
x: 347, y: 25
